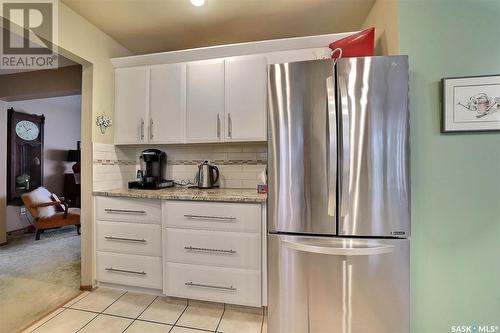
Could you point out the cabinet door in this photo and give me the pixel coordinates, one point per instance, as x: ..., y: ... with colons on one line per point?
x: 245, y: 99
x: 205, y: 101
x: 167, y: 103
x: 131, y: 104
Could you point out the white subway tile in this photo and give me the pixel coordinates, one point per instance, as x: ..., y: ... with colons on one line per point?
x: 99, y: 155
x: 231, y: 183
x: 242, y: 156
x: 230, y: 168
x: 255, y: 148
x: 250, y: 183
x: 241, y: 175
x: 262, y: 156
x: 253, y: 167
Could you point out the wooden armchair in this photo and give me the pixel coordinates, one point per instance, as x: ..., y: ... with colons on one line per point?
x: 49, y: 212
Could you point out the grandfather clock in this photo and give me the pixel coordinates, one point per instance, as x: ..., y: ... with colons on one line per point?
x: 25, y: 154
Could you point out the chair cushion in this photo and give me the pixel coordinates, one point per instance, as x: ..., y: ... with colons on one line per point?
x: 39, y: 196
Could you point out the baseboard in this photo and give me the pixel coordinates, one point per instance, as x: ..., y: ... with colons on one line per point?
x: 86, y: 288
x: 150, y: 291
x: 4, y: 243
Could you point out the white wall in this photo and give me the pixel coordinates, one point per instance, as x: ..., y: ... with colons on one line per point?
x: 3, y: 171
x: 384, y: 17
x: 82, y: 42
x: 61, y: 131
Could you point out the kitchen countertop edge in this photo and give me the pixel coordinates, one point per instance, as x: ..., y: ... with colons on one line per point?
x: 183, y: 194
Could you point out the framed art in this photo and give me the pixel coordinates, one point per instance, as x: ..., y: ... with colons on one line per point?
x: 471, y: 104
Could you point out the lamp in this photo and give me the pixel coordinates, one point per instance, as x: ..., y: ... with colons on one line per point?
x: 74, y: 156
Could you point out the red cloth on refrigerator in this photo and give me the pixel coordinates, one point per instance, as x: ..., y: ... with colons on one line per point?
x: 361, y: 44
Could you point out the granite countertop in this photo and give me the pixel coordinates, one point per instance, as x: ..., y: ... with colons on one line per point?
x: 189, y: 194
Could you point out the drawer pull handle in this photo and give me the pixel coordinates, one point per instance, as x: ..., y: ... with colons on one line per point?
x: 125, y: 239
x: 124, y: 211
x: 206, y: 217
x: 111, y: 269
x: 191, y: 248
x: 191, y: 284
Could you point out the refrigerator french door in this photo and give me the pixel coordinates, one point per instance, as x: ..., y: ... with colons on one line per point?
x: 339, y: 196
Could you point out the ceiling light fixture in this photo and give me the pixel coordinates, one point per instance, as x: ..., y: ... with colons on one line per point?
x: 197, y: 3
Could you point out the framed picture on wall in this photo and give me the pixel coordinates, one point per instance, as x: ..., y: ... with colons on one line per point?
x: 471, y: 104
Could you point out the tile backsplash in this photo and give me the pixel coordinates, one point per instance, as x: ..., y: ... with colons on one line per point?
x: 240, y: 165
x: 112, y: 167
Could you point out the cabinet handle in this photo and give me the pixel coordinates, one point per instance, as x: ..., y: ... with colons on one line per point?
x: 191, y: 248
x: 125, y: 239
x: 151, y: 124
x: 229, y: 126
x: 124, y: 211
x: 111, y: 269
x: 206, y: 217
x: 142, y: 129
x: 191, y: 284
x: 218, y: 126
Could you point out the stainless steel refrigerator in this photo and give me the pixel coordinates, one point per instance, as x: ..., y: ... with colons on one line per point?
x: 339, y: 196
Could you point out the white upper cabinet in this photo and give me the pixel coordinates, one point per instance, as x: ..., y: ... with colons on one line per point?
x: 219, y: 100
x: 167, y: 103
x: 205, y: 101
x: 131, y: 105
x: 245, y: 98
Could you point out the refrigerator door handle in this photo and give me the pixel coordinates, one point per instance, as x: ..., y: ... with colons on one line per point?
x: 310, y: 247
x: 345, y: 149
x: 331, y: 145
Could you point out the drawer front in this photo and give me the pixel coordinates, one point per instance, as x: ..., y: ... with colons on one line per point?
x: 214, y: 216
x: 133, y: 238
x: 131, y: 270
x: 128, y: 210
x: 227, y: 285
x: 227, y: 249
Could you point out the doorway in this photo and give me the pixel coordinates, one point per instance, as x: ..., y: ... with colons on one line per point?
x: 37, y: 276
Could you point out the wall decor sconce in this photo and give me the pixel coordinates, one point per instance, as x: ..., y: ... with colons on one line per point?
x: 103, y: 121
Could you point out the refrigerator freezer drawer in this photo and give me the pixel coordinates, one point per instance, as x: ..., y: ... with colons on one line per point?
x: 338, y: 285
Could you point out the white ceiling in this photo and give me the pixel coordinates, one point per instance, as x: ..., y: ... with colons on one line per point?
x: 146, y: 26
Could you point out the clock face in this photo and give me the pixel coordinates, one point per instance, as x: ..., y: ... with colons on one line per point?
x: 27, y: 130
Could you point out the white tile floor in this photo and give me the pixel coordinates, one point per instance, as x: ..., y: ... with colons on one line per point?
x: 114, y: 311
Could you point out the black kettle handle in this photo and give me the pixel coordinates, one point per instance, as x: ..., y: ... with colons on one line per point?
x: 216, y: 174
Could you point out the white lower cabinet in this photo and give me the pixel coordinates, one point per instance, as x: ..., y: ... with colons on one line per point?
x: 212, y: 283
x: 213, y: 251
x: 241, y: 217
x: 129, y: 238
x: 209, y: 251
x: 129, y: 242
x: 128, y: 269
x: 225, y: 249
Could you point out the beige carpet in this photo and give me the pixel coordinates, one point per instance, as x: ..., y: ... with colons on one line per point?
x: 37, y: 276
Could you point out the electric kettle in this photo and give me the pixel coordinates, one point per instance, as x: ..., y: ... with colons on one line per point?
x: 207, y: 176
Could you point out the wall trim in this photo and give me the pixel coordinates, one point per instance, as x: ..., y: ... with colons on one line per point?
x: 229, y: 50
x: 86, y: 288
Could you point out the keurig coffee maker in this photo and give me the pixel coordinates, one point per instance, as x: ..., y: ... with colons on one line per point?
x: 152, y: 172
